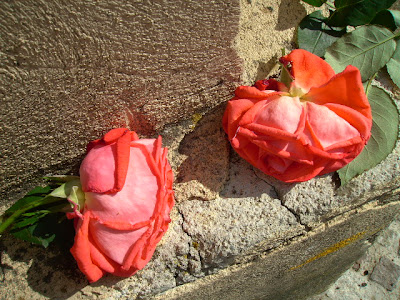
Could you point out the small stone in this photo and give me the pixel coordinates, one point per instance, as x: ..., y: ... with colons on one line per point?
x: 386, y: 273
x: 356, y: 266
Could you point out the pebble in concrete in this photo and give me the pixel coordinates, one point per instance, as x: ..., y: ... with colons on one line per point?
x: 386, y: 273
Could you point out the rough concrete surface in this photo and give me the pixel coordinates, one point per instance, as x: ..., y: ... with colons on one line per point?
x: 164, y: 68
x: 297, y: 270
x: 361, y: 281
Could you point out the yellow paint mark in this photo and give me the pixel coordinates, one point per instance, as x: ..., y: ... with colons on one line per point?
x: 196, y: 118
x: 332, y: 249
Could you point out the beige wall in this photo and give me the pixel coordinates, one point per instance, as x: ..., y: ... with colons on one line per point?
x: 71, y: 70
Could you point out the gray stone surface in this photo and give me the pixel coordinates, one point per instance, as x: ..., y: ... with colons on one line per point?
x: 356, y: 283
x: 300, y: 268
x: 386, y: 273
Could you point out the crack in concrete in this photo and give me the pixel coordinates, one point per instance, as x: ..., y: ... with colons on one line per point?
x: 381, y: 201
x: 307, y: 228
x: 178, y: 271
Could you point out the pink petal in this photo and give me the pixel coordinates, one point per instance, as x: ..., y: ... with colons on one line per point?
x: 114, y: 243
x: 136, y: 201
x: 283, y: 113
x: 97, y: 171
x: 326, y: 127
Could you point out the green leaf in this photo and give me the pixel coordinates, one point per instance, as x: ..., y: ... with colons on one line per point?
x: 33, y: 195
x: 393, y: 66
x: 26, y: 235
x: 65, y: 189
x: 388, y: 18
x: 384, y: 134
x: 39, y: 191
x: 368, y: 48
x: 23, y: 202
x: 357, y: 12
x: 315, y: 36
x: 23, y: 222
x: 45, y: 230
x: 317, y: 3
x: 285, y: 77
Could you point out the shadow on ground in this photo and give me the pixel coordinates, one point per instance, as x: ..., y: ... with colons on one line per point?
x: 52, y: 272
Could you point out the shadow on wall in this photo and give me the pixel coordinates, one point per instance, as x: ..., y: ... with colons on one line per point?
x: 266, y: 69
x: 291, y: 12
x: 207, y: 156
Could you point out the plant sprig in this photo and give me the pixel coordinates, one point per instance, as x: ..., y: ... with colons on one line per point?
x: 40, y: 214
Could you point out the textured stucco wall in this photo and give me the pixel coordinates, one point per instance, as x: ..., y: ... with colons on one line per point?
x: 71, y: 70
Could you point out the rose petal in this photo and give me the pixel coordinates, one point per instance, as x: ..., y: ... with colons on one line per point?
x: 97, y: 171
x: 250, y: 92
x: 308, y: 69
x: 283, y: 113
x: 136, y: 201
x: 115, y: 244
x: 234, y: 111
x: 81, y: 250
x: 346, y: 89
x: 357, y: 120
x: 327, y: 128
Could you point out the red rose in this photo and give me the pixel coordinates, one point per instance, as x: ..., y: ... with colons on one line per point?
x: 318, y: 124
x: 128, y: 190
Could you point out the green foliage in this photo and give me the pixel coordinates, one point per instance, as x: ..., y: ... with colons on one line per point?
x: 52, y: 227
x: 368, y: 48
x: 314, y: 35
x: 387, y: 18
x: 384, y: 134
x: 37, y: 217
x: 357, y: 12
x: 286, y: 78
x: 393, y: 66
x: 317, y: 3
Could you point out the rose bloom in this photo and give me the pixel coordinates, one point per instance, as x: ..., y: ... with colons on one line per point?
x: 317, y: 125
x: 128, y: 191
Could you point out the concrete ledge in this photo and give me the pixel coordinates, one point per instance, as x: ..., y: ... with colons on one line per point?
x: 301, y: 268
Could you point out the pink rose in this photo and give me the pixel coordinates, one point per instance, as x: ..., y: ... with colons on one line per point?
x: 128, y: 190
x: 318, y: 124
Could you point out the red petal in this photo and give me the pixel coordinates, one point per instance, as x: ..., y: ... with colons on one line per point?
x: 105, y: 167
x: 81, y: 251
x: 345, y: 88
x: 233, y: 114
x: 114, y: 134
x: 251, y: 92
x: 308, y: 69
x: 122, y: 161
